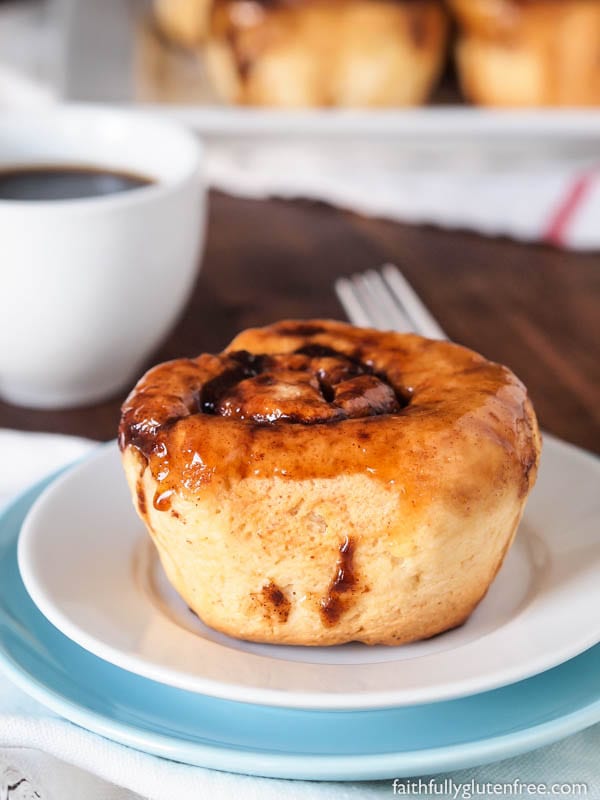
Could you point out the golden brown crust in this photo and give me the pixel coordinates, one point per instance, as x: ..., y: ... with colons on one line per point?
x: 327, y: 478
x: 327, y: 52
x: 529, y: 52
x: 439, y: 389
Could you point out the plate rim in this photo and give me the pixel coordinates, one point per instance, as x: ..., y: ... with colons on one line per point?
x: 278, y: 765
x: 236, y: 692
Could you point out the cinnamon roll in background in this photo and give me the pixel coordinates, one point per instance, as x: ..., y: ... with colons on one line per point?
x: 303, y: 53
x: 317, y: 483
x: 529, y: 52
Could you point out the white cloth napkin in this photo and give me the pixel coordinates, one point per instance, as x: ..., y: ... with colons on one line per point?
x: 64, y: 762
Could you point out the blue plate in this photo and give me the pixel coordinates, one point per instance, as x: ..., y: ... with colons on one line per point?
x: 278, y: 742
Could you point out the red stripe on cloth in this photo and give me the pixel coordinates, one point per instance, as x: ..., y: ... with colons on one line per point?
x: 563, y: 215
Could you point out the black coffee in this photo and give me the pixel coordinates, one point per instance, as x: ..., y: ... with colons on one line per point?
x: 65, y: 182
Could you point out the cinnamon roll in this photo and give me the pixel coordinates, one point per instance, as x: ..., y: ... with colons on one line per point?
x: 305, y: 53
x: 529, y: 52
x: 318, y: 483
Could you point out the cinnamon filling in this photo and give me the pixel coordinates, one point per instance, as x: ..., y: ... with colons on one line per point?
x: 342, y: 585
x: 314, y: 384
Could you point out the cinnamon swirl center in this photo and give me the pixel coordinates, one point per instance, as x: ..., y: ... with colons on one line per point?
x: 314, y: 384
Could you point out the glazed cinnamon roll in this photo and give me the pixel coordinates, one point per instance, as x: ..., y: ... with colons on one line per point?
x: 317, y: 483
x: 529, y: 52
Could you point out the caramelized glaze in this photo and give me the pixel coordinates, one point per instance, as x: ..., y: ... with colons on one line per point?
x: 318, y: 399
x: 162, y: 500
x: 343, y: 584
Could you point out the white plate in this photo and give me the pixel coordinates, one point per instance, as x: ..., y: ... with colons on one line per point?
x: 88, y: 565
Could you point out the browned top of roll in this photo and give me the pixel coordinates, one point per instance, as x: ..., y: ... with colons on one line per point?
x: 307, y: 399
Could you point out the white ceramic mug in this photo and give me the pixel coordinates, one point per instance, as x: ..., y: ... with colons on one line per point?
x: 89, y: 287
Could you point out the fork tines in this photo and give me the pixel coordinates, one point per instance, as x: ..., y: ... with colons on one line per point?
x: 385, y: 300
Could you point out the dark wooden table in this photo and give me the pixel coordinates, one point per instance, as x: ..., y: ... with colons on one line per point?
x: 532, y: 307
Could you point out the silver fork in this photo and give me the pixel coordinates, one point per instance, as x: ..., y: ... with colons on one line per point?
x: 385, y: 300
